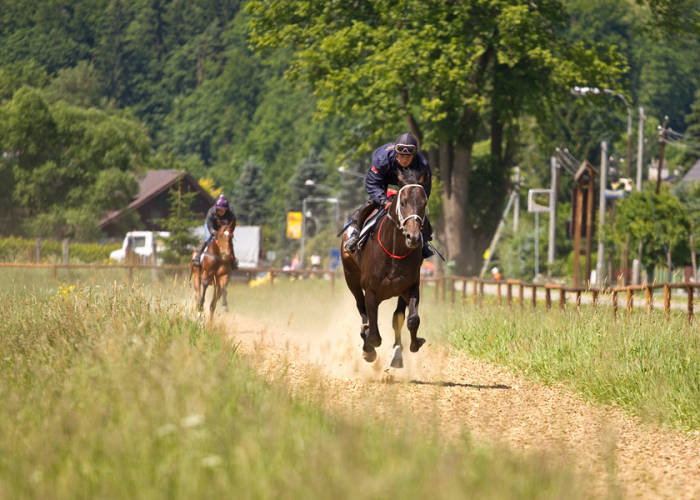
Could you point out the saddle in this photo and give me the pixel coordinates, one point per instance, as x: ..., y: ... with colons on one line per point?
x: 369, y: 225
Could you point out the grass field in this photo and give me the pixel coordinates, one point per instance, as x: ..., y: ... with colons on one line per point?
x: 113, y: 390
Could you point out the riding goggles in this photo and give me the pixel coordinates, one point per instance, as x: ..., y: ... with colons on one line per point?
x: 405, y: 149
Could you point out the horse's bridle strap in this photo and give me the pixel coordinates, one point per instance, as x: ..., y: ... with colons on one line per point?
x: 402, y: 220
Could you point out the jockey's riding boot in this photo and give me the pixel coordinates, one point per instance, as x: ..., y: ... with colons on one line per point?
x: 427, y: 251
x: 353, y: 231
x: 197, y: 259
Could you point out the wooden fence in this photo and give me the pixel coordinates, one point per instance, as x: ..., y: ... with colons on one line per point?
x: 248, y: 273
x: 469, y: 288
x: 594, y: 296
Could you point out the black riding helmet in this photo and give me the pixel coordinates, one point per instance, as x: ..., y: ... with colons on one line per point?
x: 406, y: 144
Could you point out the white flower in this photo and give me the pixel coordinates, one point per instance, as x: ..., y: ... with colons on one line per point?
x: 192, y: 420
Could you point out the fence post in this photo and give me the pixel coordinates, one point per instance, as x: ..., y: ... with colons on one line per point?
x: 547, y: 297
x: 630, y: 301
x: 595, y: 298
x: 498, y: 292
x: 667, y: 300
x: 578, y: 299
x: 509, y: 294
x: 534, y: 296
x: 38, y: 249
x: 690, y: 303
x: 650, y: 300
x: 54, y: 271
x: 562, y: 298
x: 481, y: 293
x: 464, y: 290
x: 614, y: 301
x: 475, y: 291
x: 66, y: 251
x: 521, y: 294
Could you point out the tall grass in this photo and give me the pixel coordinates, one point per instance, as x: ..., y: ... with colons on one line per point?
x: 109, y: 392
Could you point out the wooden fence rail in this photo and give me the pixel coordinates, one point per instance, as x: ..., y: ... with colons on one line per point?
x: 560, y: 292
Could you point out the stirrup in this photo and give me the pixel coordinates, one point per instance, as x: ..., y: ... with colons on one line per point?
x: 351, y: 242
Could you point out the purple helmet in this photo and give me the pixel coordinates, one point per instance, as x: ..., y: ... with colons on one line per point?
x: 222, y: 202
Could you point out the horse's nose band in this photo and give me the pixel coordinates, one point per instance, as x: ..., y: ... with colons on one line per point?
x: 401, y: 224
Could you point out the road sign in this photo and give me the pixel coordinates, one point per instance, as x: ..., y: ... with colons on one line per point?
x: 535, y: 195
x: 294, y: 225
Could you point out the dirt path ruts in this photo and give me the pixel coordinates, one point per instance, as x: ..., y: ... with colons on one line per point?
x: 446, y: 388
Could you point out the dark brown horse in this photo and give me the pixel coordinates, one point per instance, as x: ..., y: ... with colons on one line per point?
x: 217, y: 263
x: 389, y: 266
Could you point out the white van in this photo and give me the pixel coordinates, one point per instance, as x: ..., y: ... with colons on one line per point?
x: 141, y: 244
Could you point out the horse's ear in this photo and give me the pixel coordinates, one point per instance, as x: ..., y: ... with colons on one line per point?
x: 401, y: 178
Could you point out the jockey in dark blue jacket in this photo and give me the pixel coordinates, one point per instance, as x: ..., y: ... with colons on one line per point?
x: 386, y: 162
x: 219, y: 215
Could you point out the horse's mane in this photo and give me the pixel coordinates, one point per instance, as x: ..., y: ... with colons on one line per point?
x: 410, y: 176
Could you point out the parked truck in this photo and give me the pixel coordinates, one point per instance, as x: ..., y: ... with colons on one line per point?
x: 140, y: 245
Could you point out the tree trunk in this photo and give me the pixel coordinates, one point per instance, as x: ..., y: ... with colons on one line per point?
x: 463, y: 245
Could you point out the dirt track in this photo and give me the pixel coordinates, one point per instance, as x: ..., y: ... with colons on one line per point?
x: 440, y: 386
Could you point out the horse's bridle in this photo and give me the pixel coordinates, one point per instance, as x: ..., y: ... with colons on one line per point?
x: 402, y: 220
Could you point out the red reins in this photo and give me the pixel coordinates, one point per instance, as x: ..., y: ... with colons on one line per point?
x: 393, y: 256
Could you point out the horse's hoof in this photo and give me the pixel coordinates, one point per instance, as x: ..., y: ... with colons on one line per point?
x: 416, y: 344
x: 373, y: 340
x: 369, y: 356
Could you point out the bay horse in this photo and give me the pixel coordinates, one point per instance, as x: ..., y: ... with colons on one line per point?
x: 217, y: 264
x: 389, y: 266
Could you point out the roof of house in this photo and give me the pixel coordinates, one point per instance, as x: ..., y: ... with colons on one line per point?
x: 693, y: 173
x: 154, y: 183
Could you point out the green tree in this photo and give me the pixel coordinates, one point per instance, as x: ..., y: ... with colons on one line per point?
x: 691, y: 138
x: 658, y: 222
x: 179, y: 244
x: 456, y: 73
x: 249, y: 195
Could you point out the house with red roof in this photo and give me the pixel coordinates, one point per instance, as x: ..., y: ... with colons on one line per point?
x: 151, y: 204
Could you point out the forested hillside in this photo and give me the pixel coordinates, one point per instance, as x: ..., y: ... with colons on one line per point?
x: 93, y: 92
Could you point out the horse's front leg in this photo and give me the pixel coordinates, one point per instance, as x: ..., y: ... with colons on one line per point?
x: 372, y: 338
x: 223, y: 284
x: 215, y: 297
x: 203, y: 292
x: 397, y: 324
x: 413, y: 321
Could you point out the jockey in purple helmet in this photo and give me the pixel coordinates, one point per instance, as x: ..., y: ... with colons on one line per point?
x: 386, y: 161
x: 219, y: 215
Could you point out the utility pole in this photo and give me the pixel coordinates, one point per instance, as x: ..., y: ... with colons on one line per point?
x: 552, y: 213
x: 662, y: 140
x: 640, y: 148
x: 516, y: 207
x: 637, y: 263
x: 601, y: 210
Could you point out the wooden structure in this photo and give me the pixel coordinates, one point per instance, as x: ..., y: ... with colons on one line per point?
x: 151, y: 203
x: 583, y: 200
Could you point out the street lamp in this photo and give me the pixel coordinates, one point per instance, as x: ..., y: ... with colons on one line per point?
x: 582, y: 91
x: 333, y: 201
